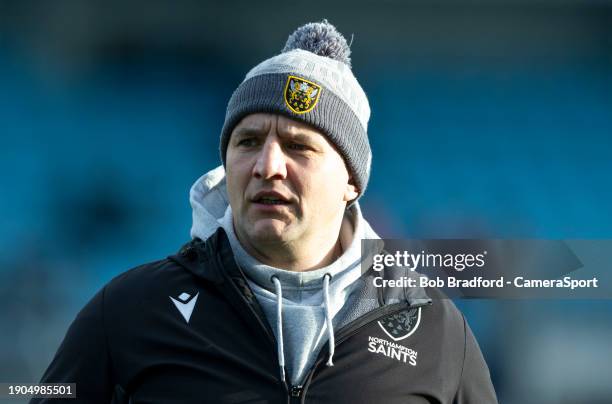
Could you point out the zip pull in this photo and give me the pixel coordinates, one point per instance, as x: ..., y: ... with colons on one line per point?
x: 296, y: 391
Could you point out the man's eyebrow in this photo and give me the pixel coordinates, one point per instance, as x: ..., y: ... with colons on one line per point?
x: 295, y: 135
x: 250, y: 131
x: 307, y: 139
x: 300, y: 136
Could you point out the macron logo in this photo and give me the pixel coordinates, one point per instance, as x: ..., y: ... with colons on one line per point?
x: 185, y: 304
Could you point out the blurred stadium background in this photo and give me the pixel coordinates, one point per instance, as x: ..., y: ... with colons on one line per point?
x: 491, y: 118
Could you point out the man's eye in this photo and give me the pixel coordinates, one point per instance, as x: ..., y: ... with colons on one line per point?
x: 298, y: 146
x: 247, y: 142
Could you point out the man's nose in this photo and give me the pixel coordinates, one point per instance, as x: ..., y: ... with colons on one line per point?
x: 271, y: 163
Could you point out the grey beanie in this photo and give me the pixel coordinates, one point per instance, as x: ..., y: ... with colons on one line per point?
x: 310, y: 81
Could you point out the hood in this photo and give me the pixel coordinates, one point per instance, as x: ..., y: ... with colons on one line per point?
x: 209, y: 201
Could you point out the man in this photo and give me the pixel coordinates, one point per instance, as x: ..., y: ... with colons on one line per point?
x: 267, y: 303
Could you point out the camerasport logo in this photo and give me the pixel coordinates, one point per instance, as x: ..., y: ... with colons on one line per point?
x: 397, y: 326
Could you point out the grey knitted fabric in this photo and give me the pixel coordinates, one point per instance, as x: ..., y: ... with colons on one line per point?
x: 313, y: 85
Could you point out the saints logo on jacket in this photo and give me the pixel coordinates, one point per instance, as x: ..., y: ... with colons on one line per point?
x: 301, y: 95
x: 401, y: 325
x: 397, y: 326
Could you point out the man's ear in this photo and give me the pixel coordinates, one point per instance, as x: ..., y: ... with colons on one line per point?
x: 351, y: 191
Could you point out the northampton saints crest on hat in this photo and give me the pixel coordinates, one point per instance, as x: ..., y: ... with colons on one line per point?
x: 301, y: 95
x: 401, y: 325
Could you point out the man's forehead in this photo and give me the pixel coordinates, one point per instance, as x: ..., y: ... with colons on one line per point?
x: 256, y: 121
x: 262, y: 122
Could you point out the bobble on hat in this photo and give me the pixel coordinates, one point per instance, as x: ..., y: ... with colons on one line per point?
x: 320, y: 38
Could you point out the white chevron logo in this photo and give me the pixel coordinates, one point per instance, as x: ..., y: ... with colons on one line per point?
x: 185, y: 304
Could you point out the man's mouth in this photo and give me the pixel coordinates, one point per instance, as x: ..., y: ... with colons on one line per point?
x: 271, y: 201
x: 270, y: 198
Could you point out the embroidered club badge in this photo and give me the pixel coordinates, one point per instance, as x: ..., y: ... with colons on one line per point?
x: 301, y: 95
x: 401, y: 325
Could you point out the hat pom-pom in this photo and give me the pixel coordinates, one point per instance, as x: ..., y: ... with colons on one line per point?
x: 320, y: 38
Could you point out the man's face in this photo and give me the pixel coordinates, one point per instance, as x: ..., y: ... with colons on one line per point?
x: 285, y: 180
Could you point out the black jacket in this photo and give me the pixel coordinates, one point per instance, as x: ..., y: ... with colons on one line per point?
x: 130, y: 343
